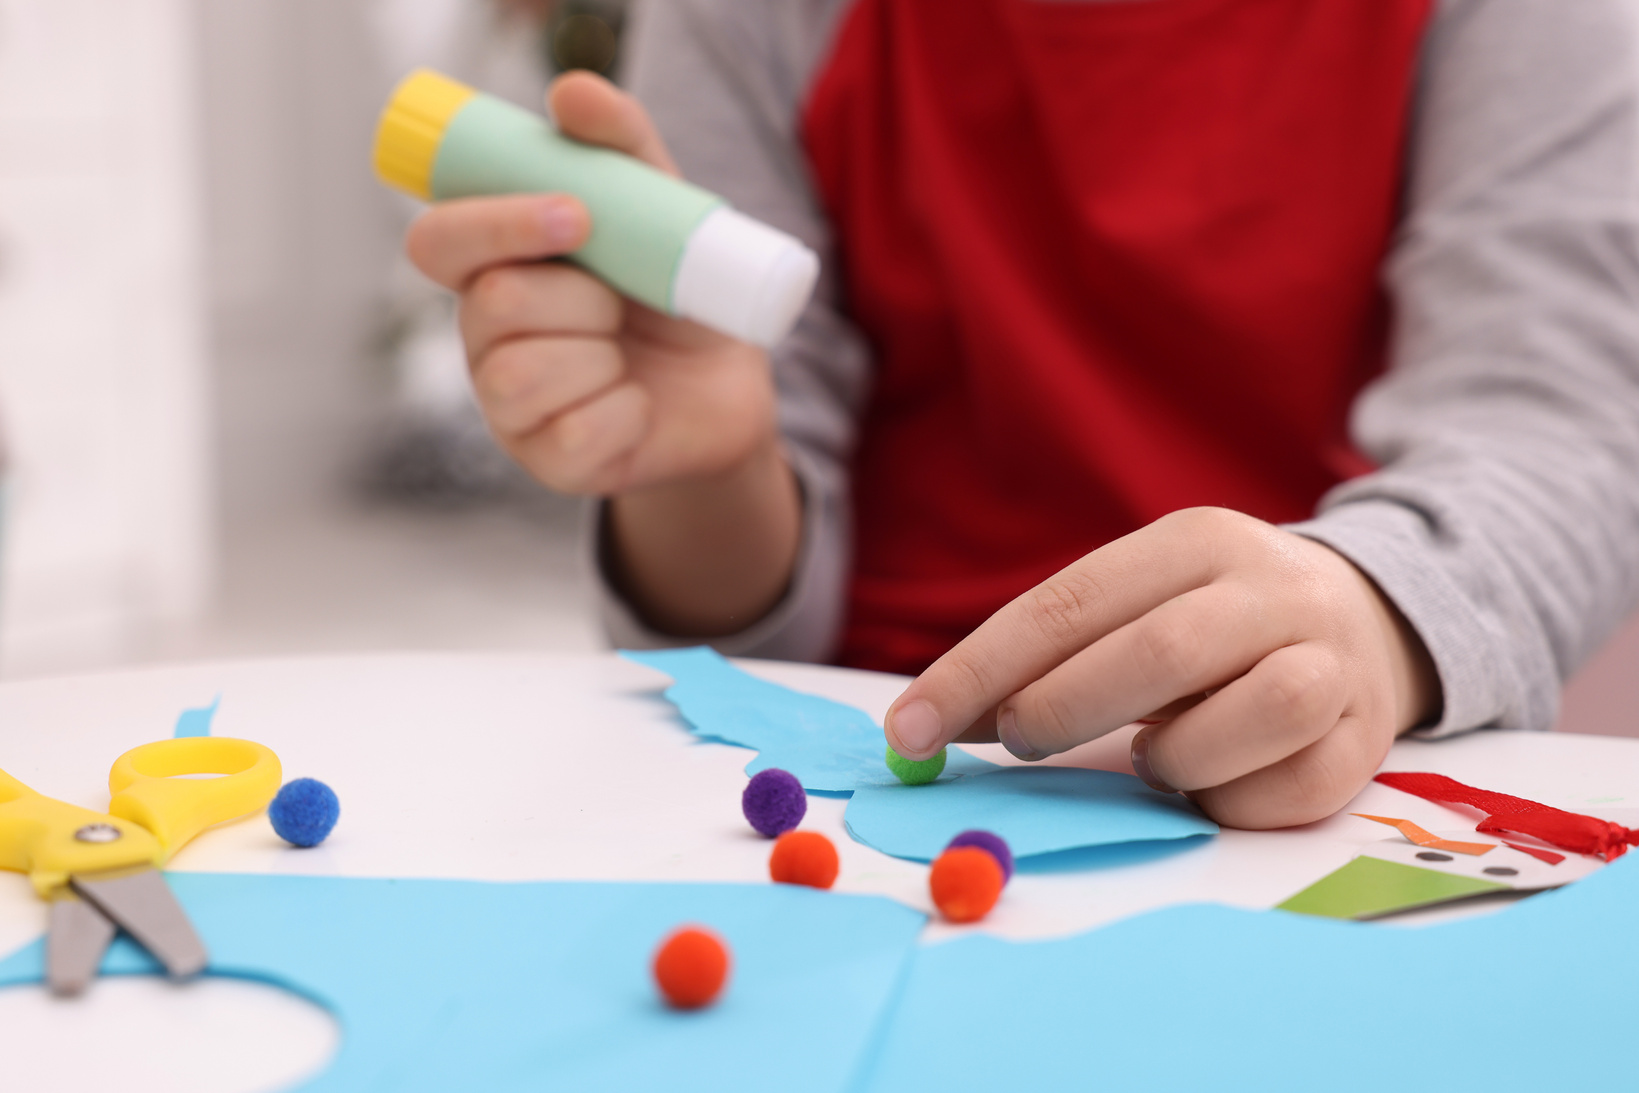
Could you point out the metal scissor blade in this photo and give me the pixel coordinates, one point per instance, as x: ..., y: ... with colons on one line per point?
x: 141, y: 902
x: 78, y: 935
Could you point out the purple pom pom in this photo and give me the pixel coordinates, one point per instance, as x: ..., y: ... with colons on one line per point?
x: 774, y: 802
x: 990, y: 844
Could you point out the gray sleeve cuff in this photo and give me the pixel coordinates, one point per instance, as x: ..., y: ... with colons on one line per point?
x: 803, y: 625
x: 1484, y: 681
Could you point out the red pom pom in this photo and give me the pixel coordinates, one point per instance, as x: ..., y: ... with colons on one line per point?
x: 690, y: 967
x: 966, y: 883
x: 804, y: 857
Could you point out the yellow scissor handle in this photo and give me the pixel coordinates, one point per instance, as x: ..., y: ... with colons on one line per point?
x: 148, y: 791
x: 49, y: 839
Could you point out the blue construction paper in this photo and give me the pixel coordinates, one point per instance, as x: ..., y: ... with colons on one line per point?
x: 1539, y: 996
x: 1038, y: 810
x: 197, y: 722
x: 458, y: 985
x: 834, y: 747
x: 830, y: 746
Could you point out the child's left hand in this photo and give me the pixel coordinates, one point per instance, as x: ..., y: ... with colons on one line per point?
x: 1308, y: 672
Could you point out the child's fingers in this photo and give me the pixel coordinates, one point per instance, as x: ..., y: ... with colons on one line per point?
x: 590, y: 108
x: 525, y: 381
x: 1289, y: 700
x: 542, y: 298
x: 1307, y: 785
x: 1202, y: 639
x: 587, y: 449
x: 454, y: 241
x: 1042, y: 628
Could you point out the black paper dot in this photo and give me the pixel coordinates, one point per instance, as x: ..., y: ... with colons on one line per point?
x: 1429, y: 855
x: 1501, y: 870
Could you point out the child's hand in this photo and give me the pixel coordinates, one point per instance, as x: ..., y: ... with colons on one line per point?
x: 592, y: 393
x: 1309, y: 671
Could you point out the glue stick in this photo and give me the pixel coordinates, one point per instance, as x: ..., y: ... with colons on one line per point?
x: 671, y: 245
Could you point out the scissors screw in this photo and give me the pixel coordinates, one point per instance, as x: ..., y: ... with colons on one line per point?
x: 97, y: 833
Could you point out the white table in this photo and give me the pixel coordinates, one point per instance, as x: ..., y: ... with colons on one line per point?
x: 533, y: 768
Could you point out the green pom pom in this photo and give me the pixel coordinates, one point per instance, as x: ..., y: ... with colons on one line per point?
x: 913, y: 773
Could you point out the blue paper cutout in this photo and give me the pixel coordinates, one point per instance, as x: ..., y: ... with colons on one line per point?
x: 1198, y: 997
x: 830, y: 746
x: 197, y: 722
x: 443, y: 985
x: 1038, y: 810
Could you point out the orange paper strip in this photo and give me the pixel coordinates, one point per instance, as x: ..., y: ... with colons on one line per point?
x: 1423, y: 838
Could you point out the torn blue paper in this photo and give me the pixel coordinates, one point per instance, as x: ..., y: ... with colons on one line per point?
x: 830, y: 746
x: 1038, y: 810
x: 1539, y: 996
x: 197, y: 721
x: 444, y: 985
x: 834, y: 747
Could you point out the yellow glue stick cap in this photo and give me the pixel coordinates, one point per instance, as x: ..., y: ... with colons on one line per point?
x: 412, y: 127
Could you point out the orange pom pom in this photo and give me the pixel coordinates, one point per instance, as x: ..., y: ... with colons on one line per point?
x: 690, y: 967
x: 804, y: 857
x: 966, y: 882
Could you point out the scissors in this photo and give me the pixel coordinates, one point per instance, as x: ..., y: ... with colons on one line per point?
x: 101, y: 871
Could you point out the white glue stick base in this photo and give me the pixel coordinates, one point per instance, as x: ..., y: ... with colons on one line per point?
x: 744, y: 278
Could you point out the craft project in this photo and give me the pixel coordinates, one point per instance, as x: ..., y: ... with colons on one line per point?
x: 1536, y: 852
x: 831, y: 747
x: 917, y: 772
x: 1276, y: 1001
x: 773, y: 802
x: 442, y: 985
x: 991, y: 844
x: 1037, y: 810
x: 837, y: 748
x: 1423, y: 838
x: 691, y: 967
x: 1517, y: 816
x: 965, y: 883
x: 804, y: 857
x: 197, y: 721
x: 1393, y: 875
x: 304, y: 812
x: 1369, y: 888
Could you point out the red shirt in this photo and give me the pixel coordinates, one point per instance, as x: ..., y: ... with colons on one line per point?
x: 1115, y: 259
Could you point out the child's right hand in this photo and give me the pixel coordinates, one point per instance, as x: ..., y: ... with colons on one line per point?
x: 592, y: 393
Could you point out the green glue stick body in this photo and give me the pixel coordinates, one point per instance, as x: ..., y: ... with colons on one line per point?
x: 657, y: 239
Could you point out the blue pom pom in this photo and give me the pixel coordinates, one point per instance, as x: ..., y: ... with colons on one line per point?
x: 304, y: 812
x: 774, y: 802
x: 990, y: 843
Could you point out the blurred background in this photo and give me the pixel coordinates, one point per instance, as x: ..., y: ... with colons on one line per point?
x: 236, y: 422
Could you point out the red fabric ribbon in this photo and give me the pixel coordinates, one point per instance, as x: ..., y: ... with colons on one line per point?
x: 1515, y: 815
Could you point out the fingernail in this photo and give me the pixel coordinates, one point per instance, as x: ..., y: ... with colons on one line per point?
x: 916, y: 725
x: 1007, y: 731
x: 1141, y: 763
x: 562, y: 221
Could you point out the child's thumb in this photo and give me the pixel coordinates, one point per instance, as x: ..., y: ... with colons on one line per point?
x: 591, y: 109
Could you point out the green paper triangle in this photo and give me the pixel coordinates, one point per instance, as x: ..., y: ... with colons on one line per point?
x: 1370, y: 887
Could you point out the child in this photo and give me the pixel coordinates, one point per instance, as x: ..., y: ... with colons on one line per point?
x: 1145, y: 278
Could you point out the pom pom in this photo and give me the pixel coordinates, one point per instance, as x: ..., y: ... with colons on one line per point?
x: 804, y: 857
x: 774, y: 802
x: 690, y: 967
x: 965, y: 883
x: 304, y: 811
x: 916, y: 772
x: 991, y: 844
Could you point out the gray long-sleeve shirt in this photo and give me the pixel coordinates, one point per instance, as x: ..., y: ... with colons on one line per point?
x: 1504, y: 522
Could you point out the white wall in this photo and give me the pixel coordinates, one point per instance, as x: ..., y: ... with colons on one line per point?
x: 300, y: 240
x: 102, y: 364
